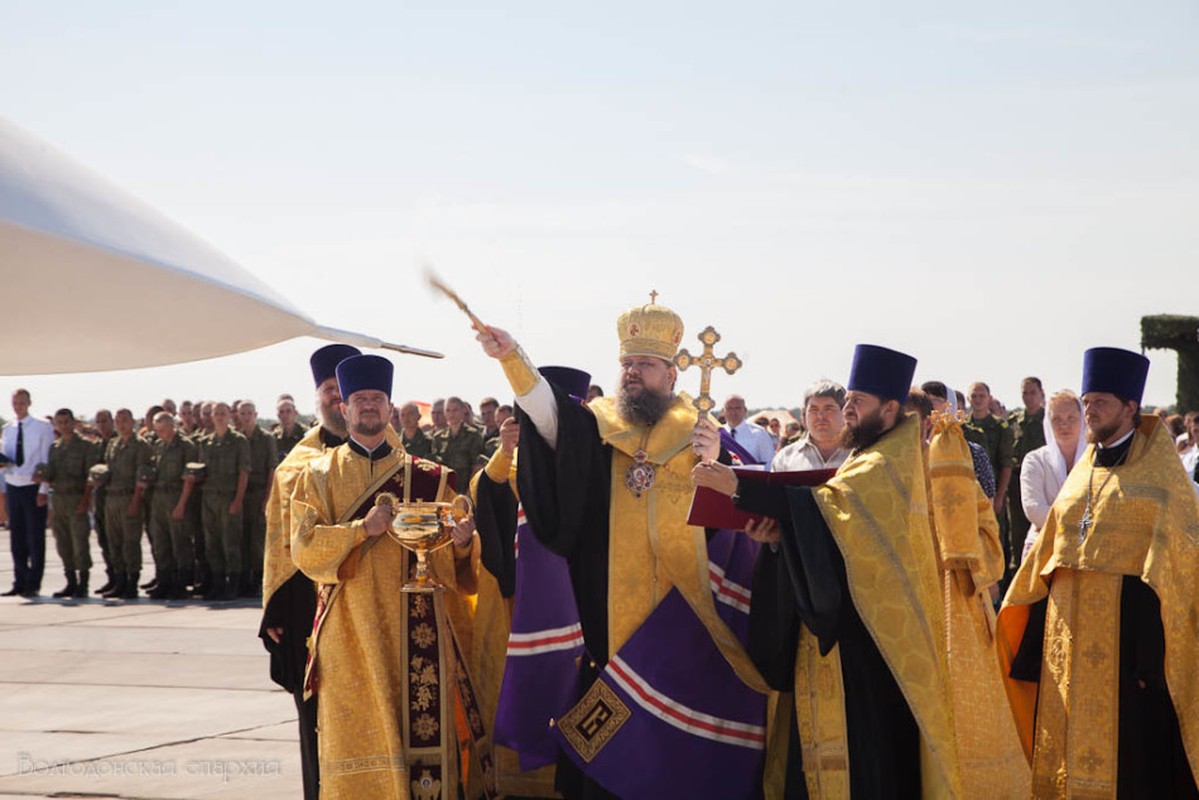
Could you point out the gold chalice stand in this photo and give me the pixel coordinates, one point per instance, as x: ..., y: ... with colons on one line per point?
x: 425, y: 528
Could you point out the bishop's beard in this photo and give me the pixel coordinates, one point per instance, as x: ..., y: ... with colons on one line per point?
x: 869, y: 430
x: 644, y: 409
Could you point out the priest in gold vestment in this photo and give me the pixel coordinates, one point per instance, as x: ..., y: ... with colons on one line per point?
x: 1099, y: 632
x: 496, y: 502
x: 289, y: 596
x: 848, y: 612
x: 382, y: 663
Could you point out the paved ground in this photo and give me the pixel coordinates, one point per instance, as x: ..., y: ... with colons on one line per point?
x: 138, y: 699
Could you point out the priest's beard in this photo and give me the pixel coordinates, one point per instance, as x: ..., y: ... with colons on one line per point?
x: 367, y: 425
x: 645, y: 408
x: 332, y: 420
x: 368, y: 429
x: 1101, y: 433
x: 869, y: 430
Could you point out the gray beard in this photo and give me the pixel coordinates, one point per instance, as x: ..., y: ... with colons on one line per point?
x: 333, y: 421
x: 646, y: 409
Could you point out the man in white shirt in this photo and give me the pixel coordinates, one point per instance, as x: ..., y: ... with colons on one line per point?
x: 820, y: 447
x: 25, y: 443
x: 752, y: 437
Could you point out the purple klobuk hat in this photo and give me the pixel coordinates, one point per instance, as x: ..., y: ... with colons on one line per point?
x: 575, y: 382
x: 325, y: 360
x: 882, y: 372
x: 357, y: 373
x: 1116, y: 371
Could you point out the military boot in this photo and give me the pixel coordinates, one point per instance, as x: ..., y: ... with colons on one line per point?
x: 203, y: 584
x: 232, y: 582
x: 152, y: 583
x: 214, y: 586
x: 130, y: 592
x: 81, y: 587
x: 166, y: 580
x: 118, y: 587
x: 69, y: 589
x: 179, y: 589
x: 108, y: 583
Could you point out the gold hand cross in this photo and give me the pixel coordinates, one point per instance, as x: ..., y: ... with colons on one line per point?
x: 707, y: 361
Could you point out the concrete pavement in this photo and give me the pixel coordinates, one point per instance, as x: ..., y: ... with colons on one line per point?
x: 138, y: 699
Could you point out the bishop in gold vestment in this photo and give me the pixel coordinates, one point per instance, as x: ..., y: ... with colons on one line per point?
x: 607, y: 487
x: 1099, y: 632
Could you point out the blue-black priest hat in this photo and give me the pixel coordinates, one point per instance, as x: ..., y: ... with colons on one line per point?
x: 882, y: 372
x: 325, y: 360
x: 1116, y: 371
x: 575, y: 382
x: 364, y: 372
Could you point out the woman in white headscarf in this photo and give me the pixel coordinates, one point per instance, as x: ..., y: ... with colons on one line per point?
x: 1045, y: 469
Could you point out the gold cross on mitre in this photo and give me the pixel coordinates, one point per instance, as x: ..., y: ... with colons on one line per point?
x: 707, y: 361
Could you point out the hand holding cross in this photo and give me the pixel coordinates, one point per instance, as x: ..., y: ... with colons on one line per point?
x: 707, y: 361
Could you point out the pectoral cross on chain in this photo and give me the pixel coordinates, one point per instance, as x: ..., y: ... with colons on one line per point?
x: 1084, y: 524
x: 707, y: 361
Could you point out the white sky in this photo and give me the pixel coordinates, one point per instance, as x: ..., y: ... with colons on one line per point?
x: 992, y: 189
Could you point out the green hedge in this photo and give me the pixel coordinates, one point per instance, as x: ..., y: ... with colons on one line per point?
x: 1181, y: 334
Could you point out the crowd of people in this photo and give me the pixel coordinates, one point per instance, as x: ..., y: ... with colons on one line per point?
x: 191, y: 478
x: 839, y: 637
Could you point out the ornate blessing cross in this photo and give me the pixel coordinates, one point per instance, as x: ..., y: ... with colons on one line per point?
x: 707, y: 361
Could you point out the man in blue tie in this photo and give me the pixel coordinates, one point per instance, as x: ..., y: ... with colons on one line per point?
x: 25, y: 443
x: 753, y: 438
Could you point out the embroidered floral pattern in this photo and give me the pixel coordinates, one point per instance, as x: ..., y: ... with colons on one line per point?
x: 425, y: 726
x: 423, y: 683
x: 423, y: 635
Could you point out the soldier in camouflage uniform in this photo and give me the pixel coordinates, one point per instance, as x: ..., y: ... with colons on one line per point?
x: 186, y: 419
x: 105, y: 433
x: 71, y: 456
x: 169, y: 531
x: 146, y: 431
x: 1028, y: 431
x: 201, y: 575
x: 415, y: 441
x: 226, y: 456
x: 458, y: 445
x: 288, y: 432
x: 996, y: 439
x: 126, y: 455
x: 263, y: 458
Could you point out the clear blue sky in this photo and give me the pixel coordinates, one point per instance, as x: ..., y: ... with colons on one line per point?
x: 992, y: 189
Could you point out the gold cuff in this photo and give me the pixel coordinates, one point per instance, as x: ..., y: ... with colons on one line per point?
x: 522, y: 375
x: 463, y: 552
x: 499, y: 466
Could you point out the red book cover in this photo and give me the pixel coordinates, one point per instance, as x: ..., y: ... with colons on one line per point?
x: 711, y: 509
